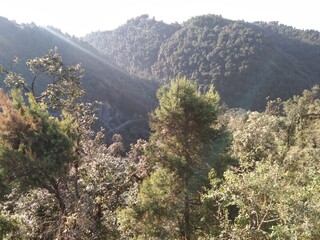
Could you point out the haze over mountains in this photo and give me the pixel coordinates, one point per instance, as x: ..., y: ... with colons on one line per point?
x: 247, y: 62
x: 125, y: 97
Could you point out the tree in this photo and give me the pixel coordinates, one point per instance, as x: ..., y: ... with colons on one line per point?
x: 275, y: 188
x: 35, y: 148
x: 41, y: 153
x: 53, y: 82
x: 182, y: 126
x: 49, y: 151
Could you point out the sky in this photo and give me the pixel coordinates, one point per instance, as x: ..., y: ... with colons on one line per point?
x: 80, y: 17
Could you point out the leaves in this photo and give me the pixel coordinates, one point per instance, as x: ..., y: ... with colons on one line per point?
x: 167, y: 204
x: 34, y: 148
x: 274, y: 192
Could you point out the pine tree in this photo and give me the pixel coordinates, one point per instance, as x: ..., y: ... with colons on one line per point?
x: 182, y: 126
x: 35, y: 148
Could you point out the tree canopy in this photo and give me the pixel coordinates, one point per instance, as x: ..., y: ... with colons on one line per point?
x: 206, y: 172
x: 246, y: 62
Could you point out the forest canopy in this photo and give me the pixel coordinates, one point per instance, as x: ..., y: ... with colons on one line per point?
x: 205, y: 172
x: 247, y: 62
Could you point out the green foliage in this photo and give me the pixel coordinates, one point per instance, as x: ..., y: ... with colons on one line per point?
x: 167, y: 205
x: 246, y: 62
x: 273, y: 193
x: 183, y: 122
x: 142, y: 36
x: 256, y: 136
x: 158, y: 212
x: 59, y: 180
x: 62, y: 83
x: 109, y: 182
x: 8, y: 226
x: 40, y: 154
x: 34, y: 146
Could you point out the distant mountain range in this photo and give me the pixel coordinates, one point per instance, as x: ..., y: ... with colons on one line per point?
x: 247, y: 62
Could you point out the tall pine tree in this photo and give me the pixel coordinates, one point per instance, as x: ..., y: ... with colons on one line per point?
x: 182, y: 127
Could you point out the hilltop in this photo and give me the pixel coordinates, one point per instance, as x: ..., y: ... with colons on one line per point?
x: 247, y: 62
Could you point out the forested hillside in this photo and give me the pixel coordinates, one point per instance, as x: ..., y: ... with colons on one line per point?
x: 247, y: 62
x: 124, y: 96
x: 203, y: 171
x: 135, y: 45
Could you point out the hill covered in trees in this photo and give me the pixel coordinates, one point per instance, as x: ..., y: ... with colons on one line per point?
x: 206, y: 172
x: 247, y: 62
x: 126, y: 99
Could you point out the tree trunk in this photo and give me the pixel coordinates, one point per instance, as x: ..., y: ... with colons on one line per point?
x: 60, y: 200
x: 187, y: 225
x: 75, y: 179
x: 54, y: 189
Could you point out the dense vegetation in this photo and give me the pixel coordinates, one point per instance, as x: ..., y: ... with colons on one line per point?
x: 135, y: 45
x: 206, y: 172
x: 247, y: 62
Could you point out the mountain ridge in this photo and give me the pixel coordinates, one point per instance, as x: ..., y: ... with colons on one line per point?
x: 247, y: 62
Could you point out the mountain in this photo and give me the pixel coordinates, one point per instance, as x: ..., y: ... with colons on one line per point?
x: 247, y: 62
x: 126, y: 99
x: 135, y: 45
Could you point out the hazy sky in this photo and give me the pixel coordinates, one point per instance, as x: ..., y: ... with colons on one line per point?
x: 79, y: 17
